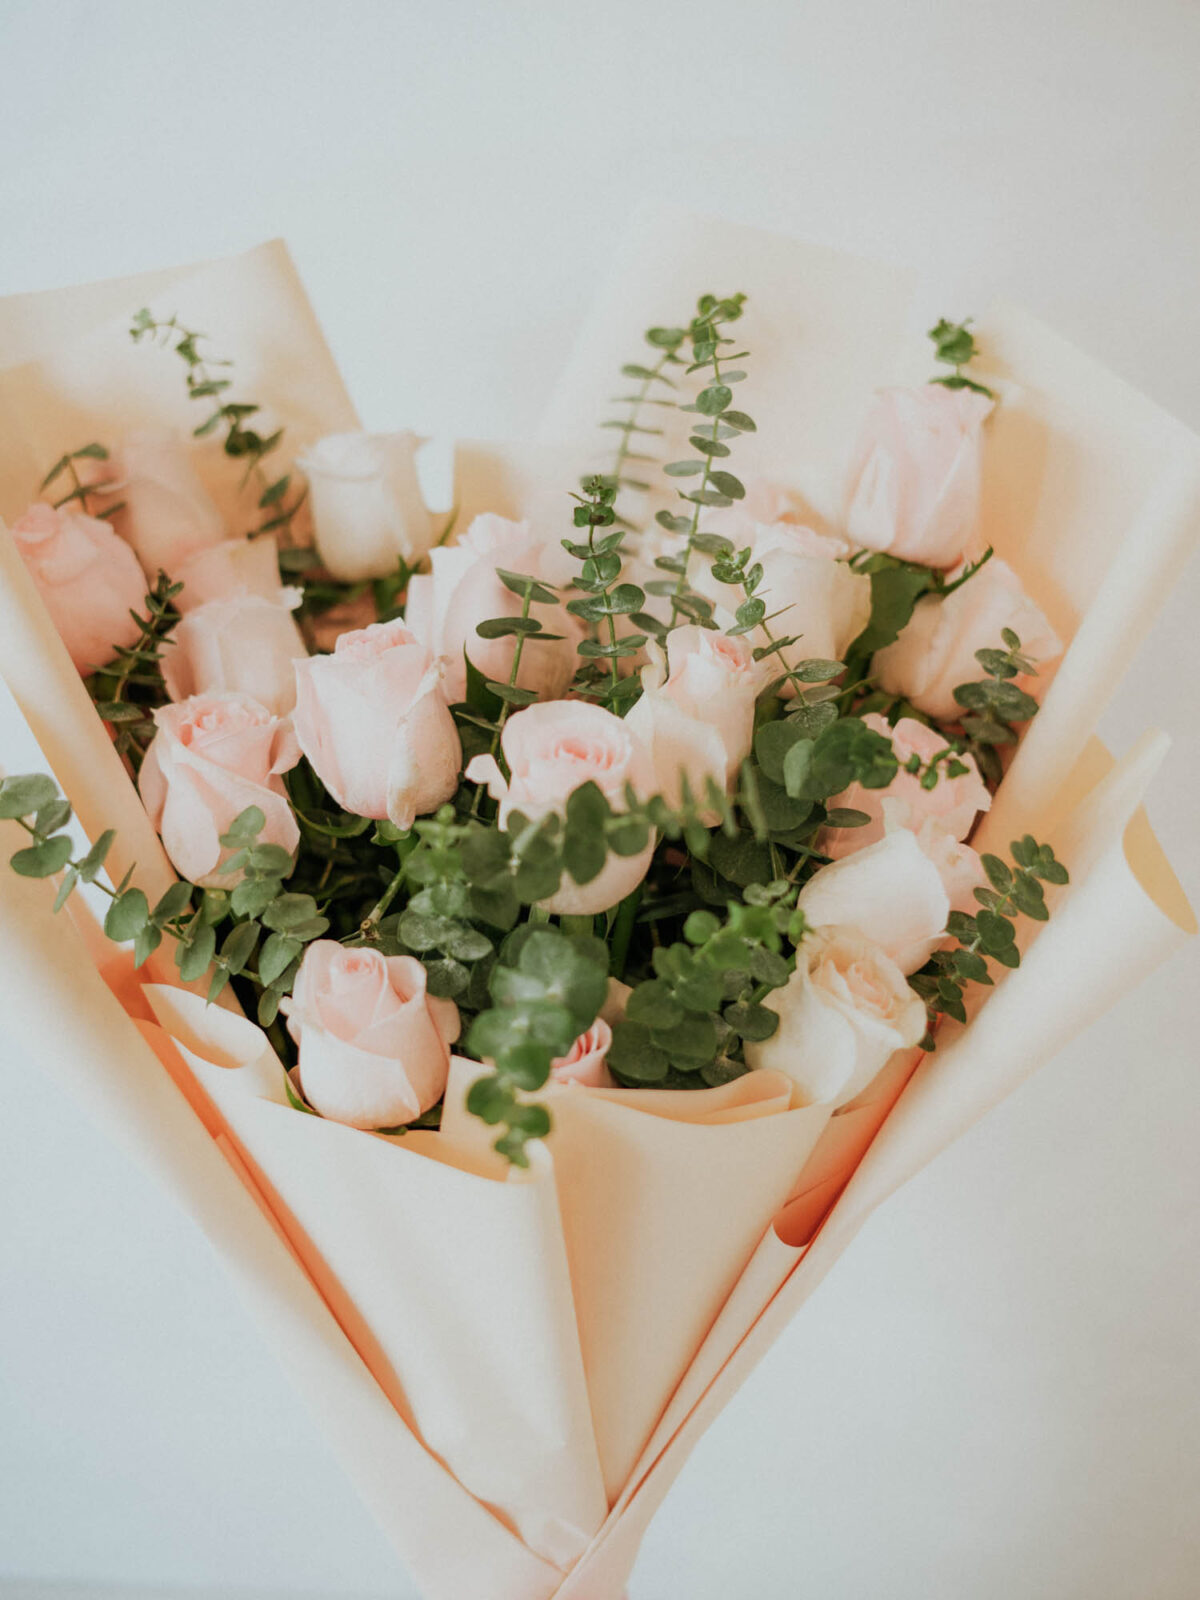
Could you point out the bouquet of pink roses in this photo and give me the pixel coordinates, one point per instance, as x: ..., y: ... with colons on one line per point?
x: 557, y: 894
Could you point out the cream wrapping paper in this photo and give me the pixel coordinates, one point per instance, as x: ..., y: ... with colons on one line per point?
x: 59, y: 1017
x: 827, y: 332
x: 654, y: 1255
x: 71, y: 388
x: 379, y: 1214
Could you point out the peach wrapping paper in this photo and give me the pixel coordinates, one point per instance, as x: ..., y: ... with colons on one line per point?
x: 654, y: 1252
x: 67, y: 380
x: 824, y: 329
x: 427, y: 1242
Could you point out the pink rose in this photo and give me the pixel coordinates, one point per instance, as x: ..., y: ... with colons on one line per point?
x: 898, y: 892
x: 696, y: 713
x: 168, y: 514
x: 445, y: 608
x: 914, y: 482
x: 374, y: 1044
x: 552, y: 750
x: 235, y: 566
x: 242, y: 643
x: 844, y: 1011
x: 373, y: 721
x: 825, y: 605
x: 936, y: 651
x: 586, y: 1061
x: 88, y: 578
x: 952, y: 802
x: 212, y: 757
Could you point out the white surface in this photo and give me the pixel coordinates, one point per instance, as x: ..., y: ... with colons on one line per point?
x: 1013, y: 1390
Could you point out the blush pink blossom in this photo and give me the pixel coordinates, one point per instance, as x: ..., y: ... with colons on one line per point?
x: 553, y: 749
x: 953, y: 802
x: 88, y: 578
x: 446, y: 606
x: 914, y: 481
x: 235, y: 566
x: 936, y: 651
x: 696, y: 712
x: 586, y: 1062
x: 240, y: 642
x: 373, y: 721
x: 166, y: 513
x: 211, y: 758
x: 374, y: 1043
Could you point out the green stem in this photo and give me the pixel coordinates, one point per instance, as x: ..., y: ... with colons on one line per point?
x: 516, y: 667
x: 379, y: 910
x: 681, y: 583
x: 622, y: 932
x: 631, y: 422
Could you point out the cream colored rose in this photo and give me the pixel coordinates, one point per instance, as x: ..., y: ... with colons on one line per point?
x: 373, y: 721
x: 845, y: 1010
x: 367, y: 507
x: 88, y: 578
x: 696, y: 713
x: 953, y: 801
x: 243, y: 643
x: 894, y: 891
x: 374, y: 1044
x: 824, y: 605
x: 551, y: 750
x: 936, y: 651
x: 212, y: 757
x: 914, y: 481
x: 168, y: 515
x: 446, y: 606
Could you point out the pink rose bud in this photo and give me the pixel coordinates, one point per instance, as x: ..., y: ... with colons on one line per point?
x: 242, y: 643
x: 844, y: 1011
x: 936, y: 651
x: 552, y: 750
x: 696, y: 713
x: 953, y: 802
x: 235, y: 566
x: 88, y: 578
x: 914, y: 482
x: 897, y: 892
x: 446, y: 607
x: 586, y: 1062
x: 374, y: 1044
x: 367, y: 506
x: 372, y: 719
x: 212, y: 757
x: 168, y: 514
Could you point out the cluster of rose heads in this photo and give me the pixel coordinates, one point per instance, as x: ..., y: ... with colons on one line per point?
x: 390, y: 718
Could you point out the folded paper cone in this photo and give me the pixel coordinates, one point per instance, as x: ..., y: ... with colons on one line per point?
x: 371, y: 1217
x: 664, y: 1197
x: 1091, y: 493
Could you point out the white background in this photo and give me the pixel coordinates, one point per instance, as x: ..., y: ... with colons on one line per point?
x: 997, y: 1392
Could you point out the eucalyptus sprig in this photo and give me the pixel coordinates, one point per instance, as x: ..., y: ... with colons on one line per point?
x: 995, y: 704
x: 721, y: 422
x: 665, y: 342
x: 80, y: 490
x: 605, y: 598
x: 1016, y: 890
x: 688, y: 1025
x: 127, y: 690
x: 241, y: 443
x: 954, y: 346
